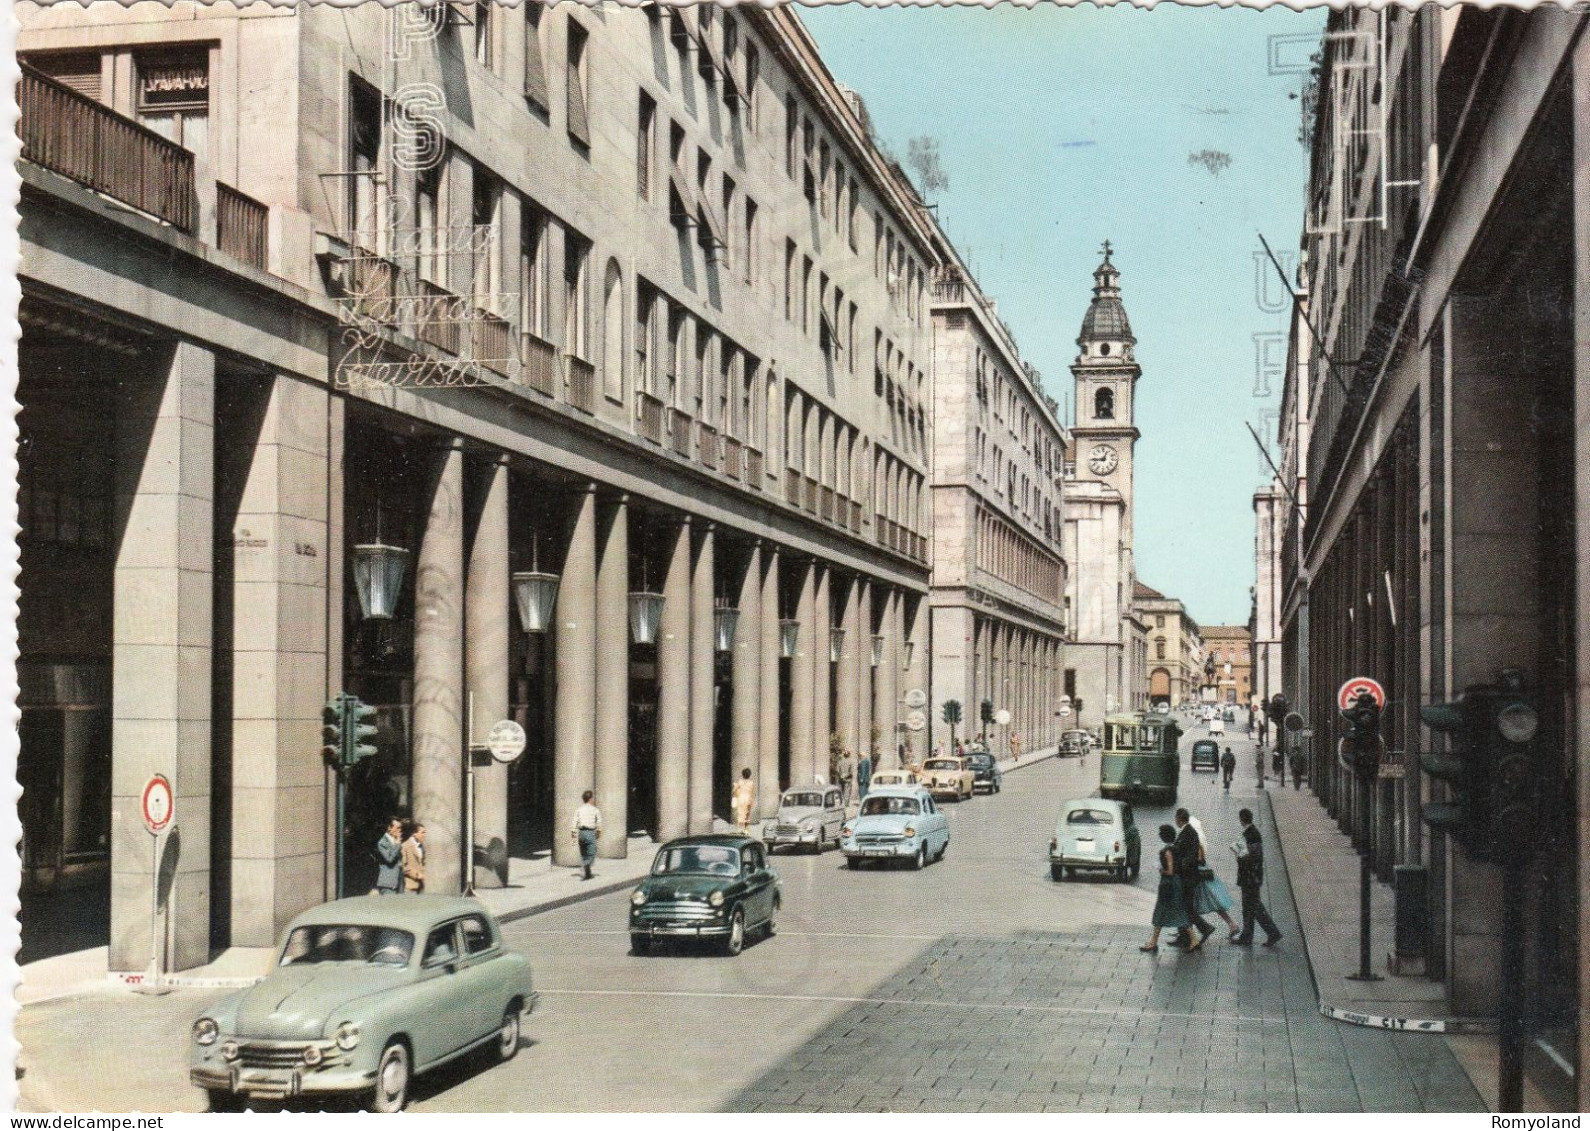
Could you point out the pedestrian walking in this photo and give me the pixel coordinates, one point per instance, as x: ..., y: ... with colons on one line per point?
x: 743, y: 799
x: 847, y: 775
x: 1228, y: 766
x: 863, y: 774
x: 1015, y: 748
x: 1258, y: 764
x: 1185, y: 850
x: 1214, y: 898
x: 1278, y: 766
x: 1298, y: 765
x: 1170, y: 909
x: 414, y: 859
x: 1250, y: 877
x: 389, y: 858
x: 587, y: 830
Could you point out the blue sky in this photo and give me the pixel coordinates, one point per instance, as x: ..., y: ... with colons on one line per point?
x: 1062, y: 127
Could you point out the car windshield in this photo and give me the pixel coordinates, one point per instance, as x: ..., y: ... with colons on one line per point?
x: 803, y: 800
x: 890, y: 806
x: 1090, y: 817
x: 698, y: 859
x: 943, y: 764
x: 374, y: 946
x: 980, y: 760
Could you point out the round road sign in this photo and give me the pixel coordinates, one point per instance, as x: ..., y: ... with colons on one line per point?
x: 158, y: 804
x: 1002, y: 717
x: 1353, y: 687
x: 916, y: 720
x: 505, y: 741
x: 1064, y: 711
x: 915, y: 698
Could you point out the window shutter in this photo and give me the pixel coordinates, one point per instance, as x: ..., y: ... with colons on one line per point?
x: 535, y: 71
x: 80, y: 71
x: 579, y: 123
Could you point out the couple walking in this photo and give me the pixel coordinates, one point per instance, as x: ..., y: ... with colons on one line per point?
x: 1189, y: 889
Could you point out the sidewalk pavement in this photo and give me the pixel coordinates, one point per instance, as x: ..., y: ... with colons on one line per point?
x: 534, y: 885
x: 1320, y: 860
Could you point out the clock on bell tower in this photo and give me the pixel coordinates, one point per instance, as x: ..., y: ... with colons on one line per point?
x: 1106, y: 374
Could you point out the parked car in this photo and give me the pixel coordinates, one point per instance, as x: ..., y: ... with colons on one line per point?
x: 893, y: 778
x: 985, y: 771
x: 949, y: 777
x: 1217, y: 725
x: 366, y: 993
x: 899, y: 823
x: 705, y: 887
x: 1094, y: 833
x: 1075, y: 743
x: 1231, y: 715
x: 1206, y: 754
x: 810, y: 816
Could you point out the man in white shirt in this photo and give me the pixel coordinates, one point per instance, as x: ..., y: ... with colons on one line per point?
x: 587, y: 829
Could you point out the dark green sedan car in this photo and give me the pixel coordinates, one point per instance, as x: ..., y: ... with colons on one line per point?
x: 705, y: 887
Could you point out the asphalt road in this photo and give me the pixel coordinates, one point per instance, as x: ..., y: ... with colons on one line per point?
x: 975, y: 984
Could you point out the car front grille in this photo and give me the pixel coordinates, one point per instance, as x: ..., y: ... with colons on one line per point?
x: 283, y: 1054
x: 671, y: 911
x: 789, y: 830
x: 878, y: 838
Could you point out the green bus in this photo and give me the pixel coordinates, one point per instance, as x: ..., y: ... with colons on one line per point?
x: 1140, y: 759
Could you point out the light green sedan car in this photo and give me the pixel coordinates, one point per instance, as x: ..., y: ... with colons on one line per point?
x: 366, y: 993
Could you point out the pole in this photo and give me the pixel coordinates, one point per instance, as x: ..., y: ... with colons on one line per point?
x: 1365, y: 974
x: 1510, y: 1022
x: 154, y: 910
x: 469, y: 800
x: 341, y: 834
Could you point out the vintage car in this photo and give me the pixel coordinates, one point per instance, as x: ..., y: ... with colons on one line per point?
x: 1075, y: 743
x: 365, y: 994
x: 946, y: 776
x: 1206, y: 754
x: 985, y: 771
x: 1217, y: 725
x: 898, y: 823
x: 810, y: 816
x: 893, y: 778
x: 705, y: 887
x: 1094, y: 833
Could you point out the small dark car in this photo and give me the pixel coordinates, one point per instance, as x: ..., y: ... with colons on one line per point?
x: 705, y: 887
x: 1206, y: 754
x: 985, y: 772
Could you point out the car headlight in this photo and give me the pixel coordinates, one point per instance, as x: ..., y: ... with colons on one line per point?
x: 637, y: 897
x: 205, y: 1031
x: 847, y: 831
x: 910, y: 831
x: 716, y: 899
x: 348, y: 1035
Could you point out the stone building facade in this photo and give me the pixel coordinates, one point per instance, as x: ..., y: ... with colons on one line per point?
x: 1175, y: 650
x: 999, y: 575
x: 624, y: 297
x: 1229, y: 648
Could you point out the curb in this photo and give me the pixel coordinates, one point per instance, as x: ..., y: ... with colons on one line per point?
x: 1454, y: 1025
x: 606, y: 887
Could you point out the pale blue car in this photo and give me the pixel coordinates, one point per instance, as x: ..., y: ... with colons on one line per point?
x: 896, y: 823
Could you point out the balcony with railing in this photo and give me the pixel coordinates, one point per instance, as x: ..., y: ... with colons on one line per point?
x: 73, y: 135
x: 649, y: 417
x: 493, y: 342
x: 437, y: 327
x: 581, y: 384
x: 540, y: 363
x: 241, y: 226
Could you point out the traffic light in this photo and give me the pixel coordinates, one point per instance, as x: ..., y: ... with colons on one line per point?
x: 360, y: 729
x: 335, y: 718
x: 1491, y: 766
x: 1276, y: 708
x: 987, y: 711
x: 1359, y: 751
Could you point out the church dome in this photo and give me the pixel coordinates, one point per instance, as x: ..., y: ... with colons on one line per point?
x: 1106, y: 319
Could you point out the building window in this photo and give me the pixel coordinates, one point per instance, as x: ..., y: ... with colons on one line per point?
x: 676, y: 357
x: 753, y: 74
x: 1159, y: 620
x: 486, y: 206
x: 613, y: 333
x: 428, y: 224
x: 486, y: 34
x: 645, y: 315
x: 576, y: 309
x: 789, y: 280
x: 535, y: 60
x: 1104, y: 403
x: 1159, y: 648
x: 791, y: 128
x: 806, y: 294
x: 579, y: 86
x: 174, y: 98
x: 748, y: 261
x: 533, y: 280
x: 646, y: 129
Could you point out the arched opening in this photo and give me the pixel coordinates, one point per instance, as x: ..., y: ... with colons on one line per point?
x: 1104, y: 403
x: 1159, y: 686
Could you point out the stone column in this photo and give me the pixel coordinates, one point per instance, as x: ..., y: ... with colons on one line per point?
x: 673, y: 692
x: 801, y: 688
x: 822, y: 674
x: 886, y: 689
x: 574, y: 716
x: 278, y: 599
x: 767, y: 783
x: 488, y: 618
x: 865, y: 672
x: 915, y: 629
x: 438, y: 757
x: 847, y: 717
x: 163, y: 637
x: 612, y: 682
x: 703, y: 669
x: 746, y: 736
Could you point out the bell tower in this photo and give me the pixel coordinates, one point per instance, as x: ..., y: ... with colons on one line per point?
x: 1106, y: 374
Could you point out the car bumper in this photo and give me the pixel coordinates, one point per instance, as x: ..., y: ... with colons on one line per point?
x: 879, y: 851
x: 778, y: 839
x: 945, y: 789
x: 280, y: 1083
x: 1091, y: 860
x: 679, y: 930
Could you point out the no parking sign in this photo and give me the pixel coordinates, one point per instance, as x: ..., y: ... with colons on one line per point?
x: 1353, y: 688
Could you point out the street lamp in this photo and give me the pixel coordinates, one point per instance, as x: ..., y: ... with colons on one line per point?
x: 906, y: 651
x: 378, y: 571
x: 789, y: 632
x: 536, y: 594
x: 877, y: 650
x: 724, y: 619
x: 645, y: 614
x: 836, y: 644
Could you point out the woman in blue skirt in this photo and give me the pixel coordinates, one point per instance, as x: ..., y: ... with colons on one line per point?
x: 1170, y: 909
x: 1212, y: 896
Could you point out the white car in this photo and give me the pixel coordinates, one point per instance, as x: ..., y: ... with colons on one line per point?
x: 1217, y: 725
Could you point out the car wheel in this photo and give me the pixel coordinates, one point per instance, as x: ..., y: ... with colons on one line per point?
x: 1135, y: 867
x: 391, y: 1079
x: 735, y: 943
x: 640, y: 944
x: 768, y: 847
x: 919, y: 861
x: 222, y: 1100
x: 508, y: 1034
x: 771, y: 928
x: 853, y: 863
x: 1056, y: 873
x: 945, y: 848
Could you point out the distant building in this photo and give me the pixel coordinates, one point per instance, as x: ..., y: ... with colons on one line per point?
x: 1229, y: 648
x: 1175, y: 649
